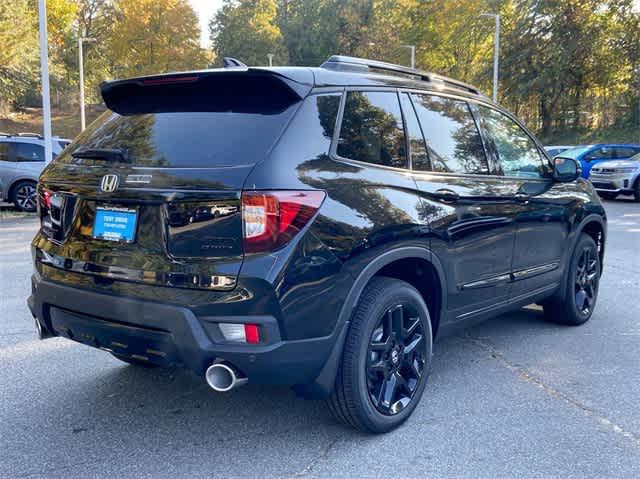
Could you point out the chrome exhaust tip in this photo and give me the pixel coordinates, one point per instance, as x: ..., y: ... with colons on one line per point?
x: 222, y: 377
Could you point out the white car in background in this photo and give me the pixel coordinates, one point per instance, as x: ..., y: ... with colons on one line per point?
x: 21, y: 162
x: 617, y: 177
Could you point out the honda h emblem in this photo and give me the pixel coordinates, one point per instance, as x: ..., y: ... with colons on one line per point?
x: 109, y: 183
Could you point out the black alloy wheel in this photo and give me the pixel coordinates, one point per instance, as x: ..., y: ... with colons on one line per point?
x: 386, y: 357
x: 587, y: 276
x: 577, y: 303
x: 395, y: 359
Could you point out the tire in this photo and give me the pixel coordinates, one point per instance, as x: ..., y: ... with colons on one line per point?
x: 376, y: 358
x: 581, y: 292
x: 23, y: 196
x: 134, y: 362
x: 636, y: 190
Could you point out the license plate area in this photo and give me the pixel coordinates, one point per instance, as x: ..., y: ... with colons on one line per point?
x: 115, y: 224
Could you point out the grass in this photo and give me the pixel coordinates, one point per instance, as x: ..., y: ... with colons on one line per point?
x: 65, y: 124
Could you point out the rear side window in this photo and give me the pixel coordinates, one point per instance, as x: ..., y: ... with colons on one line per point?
x: 4, y: 151
x: 623, y: 152
x: 517, y: 152
x: 28, y: 152
x: 602, y: 153
x: 372, y: 129
x: 451, y: 133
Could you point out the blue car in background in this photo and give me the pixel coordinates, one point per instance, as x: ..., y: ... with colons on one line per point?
x: 589, y: 155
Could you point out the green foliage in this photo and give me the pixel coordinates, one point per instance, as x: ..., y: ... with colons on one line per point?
x: 247, y: 30
x: 18, y: 55
x: 155, y: 36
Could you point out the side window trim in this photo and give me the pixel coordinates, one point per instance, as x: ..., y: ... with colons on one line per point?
x: 424, y: 138
x: 493, y: 162
x: 405, y: 126
x: 333, y: 148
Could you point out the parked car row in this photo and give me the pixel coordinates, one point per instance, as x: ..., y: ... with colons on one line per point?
x: 21, y: 162
x: 614, y: 169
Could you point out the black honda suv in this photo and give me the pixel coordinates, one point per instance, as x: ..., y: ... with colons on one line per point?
x: 316, y: 227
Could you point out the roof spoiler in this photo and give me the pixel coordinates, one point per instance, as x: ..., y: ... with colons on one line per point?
x: 205, y: 90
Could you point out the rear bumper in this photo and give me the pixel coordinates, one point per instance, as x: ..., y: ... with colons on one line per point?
x: 170, y: 335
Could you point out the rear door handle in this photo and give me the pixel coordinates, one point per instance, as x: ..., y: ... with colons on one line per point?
x: 446, y: 195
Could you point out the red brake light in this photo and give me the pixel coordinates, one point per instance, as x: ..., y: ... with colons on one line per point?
x: 169, y: 80
x: 46, y: 198
x: 252, y: 333
x: 272, y: 218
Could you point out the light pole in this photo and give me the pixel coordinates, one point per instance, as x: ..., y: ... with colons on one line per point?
x: 412, y: 48
x: 496, y: 53
x: 270, y: 57
x: 81, y: 40
x: 44, y: 74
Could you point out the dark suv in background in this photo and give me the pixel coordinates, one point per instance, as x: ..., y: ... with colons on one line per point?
x: 316, y: 227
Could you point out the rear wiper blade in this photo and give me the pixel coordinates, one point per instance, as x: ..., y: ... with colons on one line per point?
x: 107, y: 154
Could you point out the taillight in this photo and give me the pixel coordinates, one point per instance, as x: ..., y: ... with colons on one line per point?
x: 272, y: 218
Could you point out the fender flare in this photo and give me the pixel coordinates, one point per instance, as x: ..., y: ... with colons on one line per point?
x: 324, y: 382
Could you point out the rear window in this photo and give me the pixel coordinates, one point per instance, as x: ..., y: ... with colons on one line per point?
x: 211, y: 123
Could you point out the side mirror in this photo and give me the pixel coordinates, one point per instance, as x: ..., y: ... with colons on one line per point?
x: 566, y: 169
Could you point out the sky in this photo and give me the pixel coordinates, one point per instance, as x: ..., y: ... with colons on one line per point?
x: 205, y: 10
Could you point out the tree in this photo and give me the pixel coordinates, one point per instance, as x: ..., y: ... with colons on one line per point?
x: 248, y: 31
x: 18, y: 55
x: 154, y: 36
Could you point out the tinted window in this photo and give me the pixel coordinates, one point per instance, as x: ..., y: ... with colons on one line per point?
x: 452, y: 135
x: 417, y: 147
x: 517, y: 152
x: 624, y: 152
x: 372, y: 129
x: 600, y: 153
x: 185, y: 139
x: 4, y: 151
x: 28, y: 152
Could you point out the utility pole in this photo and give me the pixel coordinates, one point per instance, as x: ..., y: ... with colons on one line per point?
x: 81, y: 40
x: 496, y: 53
x: 44, y: 74
x: 412, y: 48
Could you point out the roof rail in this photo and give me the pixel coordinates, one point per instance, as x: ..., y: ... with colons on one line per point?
x: 30, y: 135
x: 341, y: 62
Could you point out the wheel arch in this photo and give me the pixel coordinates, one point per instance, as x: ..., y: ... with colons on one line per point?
x: 595, y: 226
x: 381, y: 265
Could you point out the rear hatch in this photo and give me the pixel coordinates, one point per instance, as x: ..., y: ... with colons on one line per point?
x: 150, y: 192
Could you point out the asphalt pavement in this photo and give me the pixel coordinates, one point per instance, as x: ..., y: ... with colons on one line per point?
x: 513, y: 397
